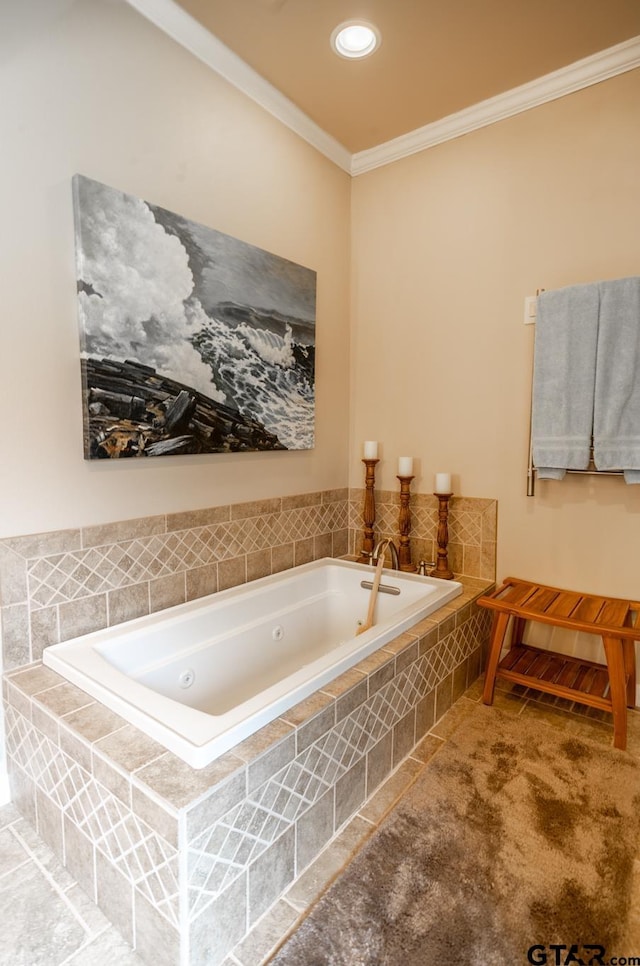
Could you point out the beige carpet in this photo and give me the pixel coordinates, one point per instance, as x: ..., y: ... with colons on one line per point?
x: 515, y: 835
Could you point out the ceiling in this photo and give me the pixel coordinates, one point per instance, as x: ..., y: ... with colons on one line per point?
x: 437, y: 57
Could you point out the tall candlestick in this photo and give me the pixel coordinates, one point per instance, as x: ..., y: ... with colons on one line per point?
x: 442, y: 563
x: 368, y: 511
x: 405, y: 466
x: 404, y: 522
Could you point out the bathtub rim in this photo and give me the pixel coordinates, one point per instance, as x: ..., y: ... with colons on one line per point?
x: 194, y: 736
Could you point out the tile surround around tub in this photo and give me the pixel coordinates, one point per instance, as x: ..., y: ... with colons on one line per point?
x: 199, y: 856
x: 472, y: 529
x: 59, y: 585
x: 168, y: 851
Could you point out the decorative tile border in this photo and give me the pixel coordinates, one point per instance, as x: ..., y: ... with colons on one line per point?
x: 148, y: 862
x: 58, y: 585
x: 64, y: 577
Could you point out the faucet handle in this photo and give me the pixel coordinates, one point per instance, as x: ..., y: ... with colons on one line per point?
x: 424, y: 565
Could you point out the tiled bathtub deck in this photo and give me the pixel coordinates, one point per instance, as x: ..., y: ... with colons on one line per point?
x: 184, y: 872
x: 49, y: 921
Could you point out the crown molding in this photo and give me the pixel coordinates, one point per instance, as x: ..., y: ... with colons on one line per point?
x: 189, y: 33
x: 583, y: 73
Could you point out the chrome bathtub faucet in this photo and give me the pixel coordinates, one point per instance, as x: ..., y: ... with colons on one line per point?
x: 393, y: 550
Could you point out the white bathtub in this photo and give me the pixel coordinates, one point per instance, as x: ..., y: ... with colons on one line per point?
x: 204, y: 675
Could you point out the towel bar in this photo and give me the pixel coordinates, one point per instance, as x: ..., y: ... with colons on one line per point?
x: 590, y: 471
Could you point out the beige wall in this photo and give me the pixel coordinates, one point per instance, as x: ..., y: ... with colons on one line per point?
x: 92, y: 87
x: 446, y: 244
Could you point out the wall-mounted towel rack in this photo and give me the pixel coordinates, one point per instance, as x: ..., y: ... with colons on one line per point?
x: 591, y: 471
x: 582, y: 330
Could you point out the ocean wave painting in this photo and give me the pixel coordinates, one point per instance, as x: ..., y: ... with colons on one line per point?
x: 191, y: 341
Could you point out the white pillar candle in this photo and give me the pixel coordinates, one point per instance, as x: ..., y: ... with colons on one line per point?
x: 405, y: 466
x: 371, y: 450
x: 442, y: 483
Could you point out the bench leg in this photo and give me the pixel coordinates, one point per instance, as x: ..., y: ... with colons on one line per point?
x: 613, y: 648
x: 518, y: 630
x: 629, y: 651
x: 498, y: 630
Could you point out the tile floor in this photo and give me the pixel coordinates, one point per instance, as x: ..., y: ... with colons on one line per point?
x: 48, y: 921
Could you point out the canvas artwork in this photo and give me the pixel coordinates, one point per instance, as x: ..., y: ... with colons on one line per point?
x: 191, y: 341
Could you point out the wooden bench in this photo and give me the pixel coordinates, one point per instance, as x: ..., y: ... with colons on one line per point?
x: 609, y: 686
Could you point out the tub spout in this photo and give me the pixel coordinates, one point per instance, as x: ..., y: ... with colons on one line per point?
x: 393, y: 550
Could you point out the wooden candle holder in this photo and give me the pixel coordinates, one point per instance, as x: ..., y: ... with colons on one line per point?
x: 404, y: 525
x: 442, y: 563
x: 368, y: 512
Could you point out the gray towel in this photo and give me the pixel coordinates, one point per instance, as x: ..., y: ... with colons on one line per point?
x: 564, y: 379
x: 616, y: 416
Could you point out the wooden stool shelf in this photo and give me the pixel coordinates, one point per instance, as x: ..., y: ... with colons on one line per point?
x: 610, y: 687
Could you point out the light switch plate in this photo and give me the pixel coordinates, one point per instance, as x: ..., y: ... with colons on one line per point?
x: 530, y: 307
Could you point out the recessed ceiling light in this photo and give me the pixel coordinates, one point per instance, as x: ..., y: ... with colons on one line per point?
x: 355, y: 38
